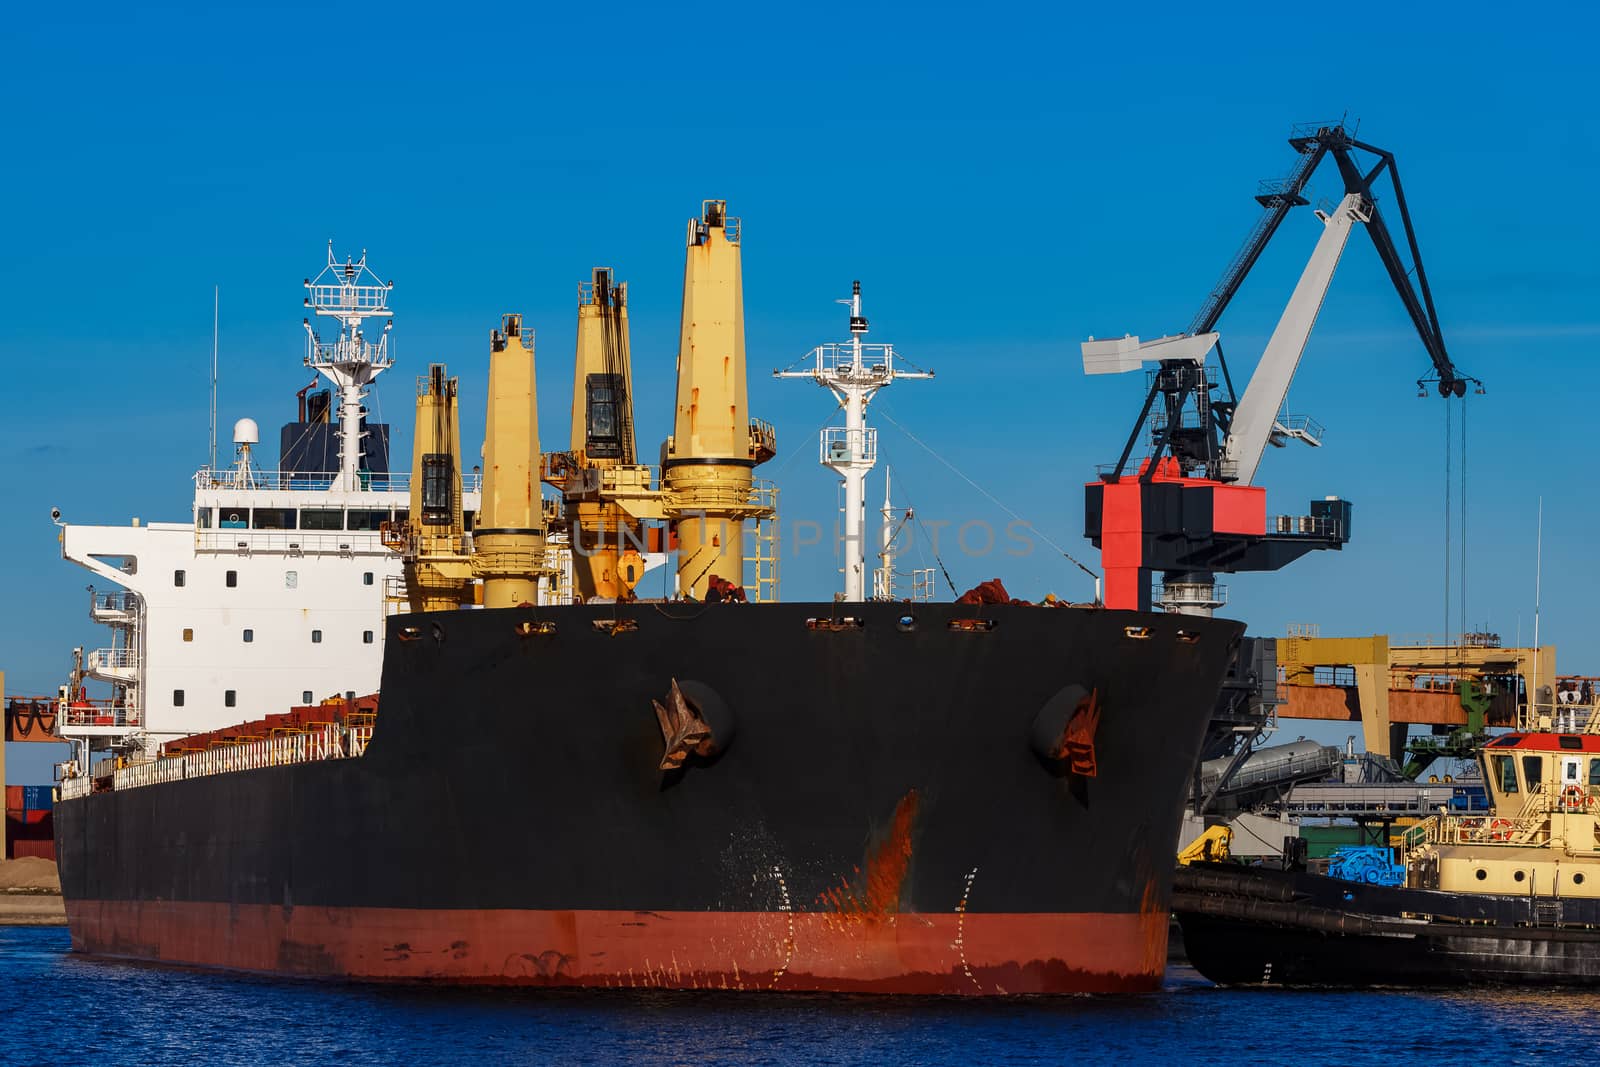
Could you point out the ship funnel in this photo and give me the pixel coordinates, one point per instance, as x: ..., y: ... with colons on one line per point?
x: 707, y: 463
x: 508, y: 541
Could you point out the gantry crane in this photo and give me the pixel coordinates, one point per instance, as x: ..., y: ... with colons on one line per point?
x: 1190, y: 510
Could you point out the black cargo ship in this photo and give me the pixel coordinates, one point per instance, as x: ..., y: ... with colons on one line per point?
x: 927, y: 799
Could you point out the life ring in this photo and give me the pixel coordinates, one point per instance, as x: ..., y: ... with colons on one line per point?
x: 1499, y: 830
x: 1572, y: 798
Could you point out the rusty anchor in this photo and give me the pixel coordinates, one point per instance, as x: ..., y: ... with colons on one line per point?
x: 1064, y: 730
x: 683, y: 729
x: 1077, y: 740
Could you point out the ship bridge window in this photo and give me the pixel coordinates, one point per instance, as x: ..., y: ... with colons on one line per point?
x: 322, y: 519
x: 202, y: 518
x: 230, y: 697
x: 235, y: 518
x: 231, y: 579
x: 1594, y: 772
x: 316, y: 637
x: 177, y: 698
x: 366, y: 577
x: 1532, y: 772
x: 178, y: 578
x: 365, y: 520
x: 1505, y: 774
x: 272, y: 519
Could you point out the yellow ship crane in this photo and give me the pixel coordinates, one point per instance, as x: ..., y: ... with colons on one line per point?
x: 706, y: 491
x: 509, y: 539
x: 707, y: 464
x: 605, y: 540
x: 431, y: 540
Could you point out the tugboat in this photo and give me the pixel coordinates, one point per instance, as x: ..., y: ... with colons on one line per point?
x: 1507, y: 897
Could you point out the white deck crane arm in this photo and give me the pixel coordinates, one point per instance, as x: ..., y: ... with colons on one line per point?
x: 1257, y: 414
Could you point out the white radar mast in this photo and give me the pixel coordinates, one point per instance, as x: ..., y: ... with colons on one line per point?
x: 350, y: 293
x: 853, y: 371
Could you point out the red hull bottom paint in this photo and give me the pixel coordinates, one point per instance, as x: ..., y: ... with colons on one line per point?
x: 965, y: 954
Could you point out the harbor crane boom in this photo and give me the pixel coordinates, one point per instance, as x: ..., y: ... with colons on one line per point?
x: 1191, y: 506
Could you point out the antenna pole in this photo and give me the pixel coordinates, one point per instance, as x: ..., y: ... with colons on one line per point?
x: 1538, y: 574
x: 853, y: 371
x: 885, y: 583
x: 216, y: 306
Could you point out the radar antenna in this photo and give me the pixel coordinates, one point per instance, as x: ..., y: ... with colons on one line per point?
x: 349, y: 293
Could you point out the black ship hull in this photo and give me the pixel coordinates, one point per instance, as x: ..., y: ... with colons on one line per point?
x: 881, y: 815
x: 1263, y: 928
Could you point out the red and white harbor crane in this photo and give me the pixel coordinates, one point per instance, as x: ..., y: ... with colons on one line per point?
x: 1190, y: 510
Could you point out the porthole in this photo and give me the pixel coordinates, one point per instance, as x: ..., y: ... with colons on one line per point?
x: 1482, y: 874
x: 1518, y: 876
x: 1577, y: 879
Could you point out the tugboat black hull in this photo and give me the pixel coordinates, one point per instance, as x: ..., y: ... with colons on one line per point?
x: 1274, y: 929
x: 879, y: 816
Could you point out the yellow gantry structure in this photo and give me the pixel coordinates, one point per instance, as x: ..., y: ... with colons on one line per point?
x: 1397, y: 685
x: 707, y: 464
x: 431, y: 541
x: 509, y: 538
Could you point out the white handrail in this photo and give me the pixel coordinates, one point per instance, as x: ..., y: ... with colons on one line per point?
x: 330, y: 742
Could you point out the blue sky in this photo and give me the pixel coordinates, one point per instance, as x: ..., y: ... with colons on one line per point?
x: 1004, y: 185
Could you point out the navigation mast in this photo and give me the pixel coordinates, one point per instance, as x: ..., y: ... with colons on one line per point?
x: 350, y: 293
x: 853, y: 371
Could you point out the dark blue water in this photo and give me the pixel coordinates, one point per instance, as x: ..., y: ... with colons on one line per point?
x: 56, y: 1008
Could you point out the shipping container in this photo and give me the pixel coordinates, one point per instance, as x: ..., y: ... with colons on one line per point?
x: 33, y: 817
x: 44, y: 850
x: 14, y: 798
x: 37, y: 797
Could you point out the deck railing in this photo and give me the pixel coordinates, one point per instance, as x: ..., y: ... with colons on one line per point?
x: 330, y: 742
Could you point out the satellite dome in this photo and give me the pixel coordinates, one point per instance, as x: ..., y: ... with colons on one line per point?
x: 245, y: 432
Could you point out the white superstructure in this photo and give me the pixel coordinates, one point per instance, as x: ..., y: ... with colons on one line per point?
x: 272, y: 593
